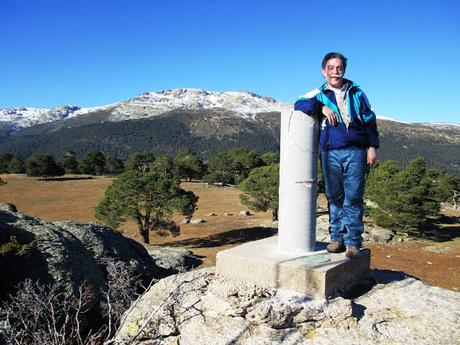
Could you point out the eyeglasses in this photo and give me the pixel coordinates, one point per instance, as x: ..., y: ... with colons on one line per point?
x: 332, y: 68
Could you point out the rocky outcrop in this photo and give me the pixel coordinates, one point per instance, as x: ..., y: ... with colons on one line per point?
x: 68, y: 253
x: 200, y: 307
x: 104, y: 244
x: 372, y: 233
x: 173, y: 259
x: 73, y: 256
x: 52, y: 255
x: 8, y: 207
x: 377, y: 234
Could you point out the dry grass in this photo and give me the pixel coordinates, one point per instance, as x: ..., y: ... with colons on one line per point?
x: 70, y: 197
x: 74, y: 198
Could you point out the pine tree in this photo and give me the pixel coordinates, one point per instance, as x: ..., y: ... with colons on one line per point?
x: 5, y: 159
x: 188, y: 165
x: 43, y: 165
x: 140, y: 161
x: 68, y: 162
x: 163, y: 163
x: 220, y: 170
x: 233, y: 166
x: 149, y: 199
x: 16, y: 166
x: 243, y: 161
x: 113, y: 166
x: 405, y: 198
x: 270, y: 158
x: 93, y: 163
x: 260, y: 189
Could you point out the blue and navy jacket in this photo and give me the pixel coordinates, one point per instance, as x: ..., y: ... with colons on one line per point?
x: 362, y: 129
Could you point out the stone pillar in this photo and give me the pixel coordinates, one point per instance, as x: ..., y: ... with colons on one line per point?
x: 298, y: 187
x: 290, y: 260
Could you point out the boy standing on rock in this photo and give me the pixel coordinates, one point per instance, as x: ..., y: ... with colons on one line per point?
x: 349, y: 141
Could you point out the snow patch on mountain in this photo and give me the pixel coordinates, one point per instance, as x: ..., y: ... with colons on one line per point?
x: 387, y: 118
x: 443, y: 125
x: 26, y: 117
x: 243, y: 103
x: 23, y: 117
x: 240, y: 103
x: 439, y: 125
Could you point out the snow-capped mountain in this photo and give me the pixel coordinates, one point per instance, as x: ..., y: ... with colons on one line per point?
x: 243, y: 103
x: 17, y: 118
x: 203, y: 121
x: 240, y: 103
x: 440, y: 125
x: 23, y: 117
x: 387, y: 118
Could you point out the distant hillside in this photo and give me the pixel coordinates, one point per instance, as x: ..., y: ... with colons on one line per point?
x: 206, y: 122
x: 440, y: 145
x: 208, y: 132
x: 204, y: 132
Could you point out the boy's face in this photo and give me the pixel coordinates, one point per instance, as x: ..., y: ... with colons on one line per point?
x: 334, y: 72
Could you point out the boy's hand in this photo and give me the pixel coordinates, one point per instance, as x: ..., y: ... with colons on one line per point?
x: 371, y: 156
x: 331, y: 116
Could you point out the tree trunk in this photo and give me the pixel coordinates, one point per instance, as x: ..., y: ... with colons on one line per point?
x: 275, y: 214
x: 145, y: 235
x: 143, y: 229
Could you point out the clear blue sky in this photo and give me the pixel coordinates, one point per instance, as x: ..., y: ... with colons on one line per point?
x: 404, y: 54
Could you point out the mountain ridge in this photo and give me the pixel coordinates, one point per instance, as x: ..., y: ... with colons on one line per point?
x: 148, y: 104
x: 221, y: 121
x: 241, y: 103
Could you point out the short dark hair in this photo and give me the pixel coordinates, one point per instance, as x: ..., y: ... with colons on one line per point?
x: 333, y: 55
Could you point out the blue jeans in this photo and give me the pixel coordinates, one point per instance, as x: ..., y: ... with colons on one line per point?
x: 344, y: 174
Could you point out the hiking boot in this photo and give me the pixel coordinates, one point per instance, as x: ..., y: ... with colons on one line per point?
x: 352, y: 252
x: 335, y: 247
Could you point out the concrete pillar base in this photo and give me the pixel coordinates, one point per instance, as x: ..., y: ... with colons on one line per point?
x: 318, y: 274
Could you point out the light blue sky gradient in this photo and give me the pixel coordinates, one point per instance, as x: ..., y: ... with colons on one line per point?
x: 404, y: 54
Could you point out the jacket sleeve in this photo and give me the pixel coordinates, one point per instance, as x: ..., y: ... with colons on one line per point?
x: 370, y: 121
x: 308, y: 103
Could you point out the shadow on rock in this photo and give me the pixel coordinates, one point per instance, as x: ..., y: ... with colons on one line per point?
x: 21, y: 260
x: 52, y: 255
x: 375, y: 277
